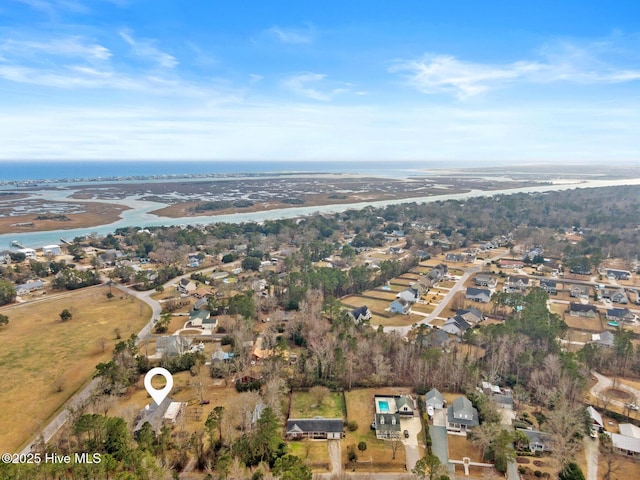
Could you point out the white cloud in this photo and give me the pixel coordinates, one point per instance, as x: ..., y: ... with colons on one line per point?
x: 52, y: 7
x: 446, y: 74
x: 291, y: 35
x: 290, y: 131
x: 145, y: 48
x: 255, y: 78
x: 312, y: 85
x: 66, y: 46
x: 563, y: 62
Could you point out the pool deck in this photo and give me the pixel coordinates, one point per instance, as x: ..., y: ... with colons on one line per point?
x: 391, y: 405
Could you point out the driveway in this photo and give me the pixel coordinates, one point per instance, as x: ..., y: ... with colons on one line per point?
x: 591, y: 451
x: 439, y: 445
x: 605, y: 383
x: 411, y: 444
x: 335, y: 455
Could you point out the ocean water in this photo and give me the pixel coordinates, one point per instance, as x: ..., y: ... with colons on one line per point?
x: 21, y: 171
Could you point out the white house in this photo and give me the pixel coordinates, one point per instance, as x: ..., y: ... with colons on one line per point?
x: 51, y: 250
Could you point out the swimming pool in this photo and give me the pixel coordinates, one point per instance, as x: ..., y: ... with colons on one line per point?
x: 383, y: 406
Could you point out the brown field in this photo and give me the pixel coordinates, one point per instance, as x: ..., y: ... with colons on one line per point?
x: 95, y: 214
x: 39, y: 350
x: 398, y: 320
x: 421, y: 307
x: 402, y: 281
x: 577, y: 336
x: 314, y: 453
x: 410, y: 276
x: 421, y: 269
x: 460, y: 447
x: 380, y: 294
x: 586, y: 324
x: 376, y: 306
x: 627, y: 468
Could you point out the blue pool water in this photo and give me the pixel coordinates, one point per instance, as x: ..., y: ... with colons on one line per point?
x: 383, y: 406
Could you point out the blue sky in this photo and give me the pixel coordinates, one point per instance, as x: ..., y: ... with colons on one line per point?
x: 463, y: 82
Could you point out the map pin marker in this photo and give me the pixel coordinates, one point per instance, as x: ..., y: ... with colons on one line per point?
x: 158, y: 395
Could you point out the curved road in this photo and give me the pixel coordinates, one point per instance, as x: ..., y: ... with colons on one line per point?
x: 605, y: 383
x: 81, y: 397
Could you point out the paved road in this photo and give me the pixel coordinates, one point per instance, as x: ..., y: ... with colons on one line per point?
x: 85, y: 393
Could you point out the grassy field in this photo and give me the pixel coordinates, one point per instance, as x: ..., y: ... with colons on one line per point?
x: 314, y: 453
x: 303, y: 405
x: 41, y: 355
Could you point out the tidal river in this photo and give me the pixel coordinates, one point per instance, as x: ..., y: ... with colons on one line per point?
x: 139, y: 215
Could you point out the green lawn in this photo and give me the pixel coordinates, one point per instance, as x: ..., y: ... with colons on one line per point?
x: 303, y: 406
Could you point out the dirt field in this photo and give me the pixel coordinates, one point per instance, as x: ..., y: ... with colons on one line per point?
x: 39, y: 353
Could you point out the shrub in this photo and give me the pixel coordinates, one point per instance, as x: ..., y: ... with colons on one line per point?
x: 352, y: 426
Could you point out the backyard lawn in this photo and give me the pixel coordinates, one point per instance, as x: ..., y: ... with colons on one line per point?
x: 304, y: 405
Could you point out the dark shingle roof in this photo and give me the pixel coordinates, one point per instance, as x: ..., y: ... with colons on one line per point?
x: 315, y: 425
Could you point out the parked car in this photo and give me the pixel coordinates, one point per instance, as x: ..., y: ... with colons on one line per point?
x: 430, y: 410
x: 406, y: 434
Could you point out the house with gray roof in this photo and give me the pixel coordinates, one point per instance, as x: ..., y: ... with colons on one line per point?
x: 400, y: 305
x: 434, y: 399
x: 582, y: 310
x: 549, y: 286
x: 387, y: 426
x: 620, y: 315
x: 614, y: 274
x: 471, y: 315
x: 437, y: 273
x: 478, y: 295
x: 411, y: 295
x: 538, y: 441
x: 173, y: 345
x: 579, y: 291
x: 197, y: 317
x: 456, y: 325
x: 485, y: 280
x: 404, y: 405
x: 315, y: 428
x: 604, y: 339
x: 517, y: 284
x: 361, y: 314
x: 29, y: 287
x: 462, y: 415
